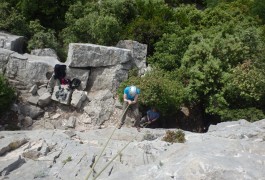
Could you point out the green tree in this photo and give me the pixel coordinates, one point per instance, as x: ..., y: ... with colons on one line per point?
x: 41, y: 37
x: 12, y: 21
x: 7, y: 94
x: 157, y: 89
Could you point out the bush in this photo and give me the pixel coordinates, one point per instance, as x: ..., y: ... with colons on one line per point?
x: 174, y: 136
x: 157, y: 89
x: 249, y: 114
x: 7, y: 94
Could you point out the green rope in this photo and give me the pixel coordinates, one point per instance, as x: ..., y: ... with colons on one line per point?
x: 119, y: 152
x: 92, y: 169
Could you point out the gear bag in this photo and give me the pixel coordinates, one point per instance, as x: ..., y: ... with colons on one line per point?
x: 75, y: 83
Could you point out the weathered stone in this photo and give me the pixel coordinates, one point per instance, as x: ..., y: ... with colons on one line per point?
x: 4, y: 57
x: 55, y: 116
x: 42, y: 91
x: 12, y: 42
x: 62, y: 95
x: 71, y: 122
x: 77, y: 98
x: 31, y: 111
x: 44, y: 99
x: 33, y: 100
x: 100, y: 107
x: 81, y: 74
x: 44, y: 52
x: 27, y: 121
x: 91, y: 55
x: 33, y: 90
x: 30, y: 69
x: 107, y: 78
x: 139, y: 52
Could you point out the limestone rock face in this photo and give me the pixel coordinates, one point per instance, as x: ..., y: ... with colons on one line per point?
x: 4, y: 57
x: 44, y: 52
x: 139, y: 52
x: 91, y: 55
x: 81, y: 74
x: 231, y: 150
x: 77, y: 98
x: 100, y: 107
x: 11, y: 42
x: 107, y: 78
x: 30, y: 68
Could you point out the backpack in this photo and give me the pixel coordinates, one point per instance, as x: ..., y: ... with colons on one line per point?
x: 75, y: 83
x: 59, y: 71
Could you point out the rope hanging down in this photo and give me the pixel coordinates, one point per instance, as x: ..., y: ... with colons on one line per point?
x: 97, y: 159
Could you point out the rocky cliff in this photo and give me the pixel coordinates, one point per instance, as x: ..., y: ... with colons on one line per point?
x: 231, y: 150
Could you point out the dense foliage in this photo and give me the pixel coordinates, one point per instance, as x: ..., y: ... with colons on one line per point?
x: 204, y: 53
x: 6, y: 94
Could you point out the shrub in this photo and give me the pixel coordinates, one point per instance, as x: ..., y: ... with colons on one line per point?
x: 7, y: 94
x: 148, y: 136
x: 157, y: 89
x: 174, y: 136
x: 249, y: 114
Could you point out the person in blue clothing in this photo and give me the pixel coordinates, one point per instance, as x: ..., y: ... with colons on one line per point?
x: 151, y: 116
x: 130, y: 97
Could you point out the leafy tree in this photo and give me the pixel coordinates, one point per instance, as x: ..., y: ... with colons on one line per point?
x: 6, y: 94
x: 41, y: 37
x: 157, y: 89
x: 50, y: 13
x: 12, y: 21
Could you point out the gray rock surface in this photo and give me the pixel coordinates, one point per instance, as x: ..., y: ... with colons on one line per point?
x: 31, y: 111
x: 78, y: 97
x: 29, y: 68
x: 11, y: 42
x: 107, y: 78
x: 91, y: 55
x: 81, y: 74
x: 231, y: 150
x: 44, y: 52
x: 100, y: 107
x: 4, y: 57
x: 139, y: 52
x: 44, y: 99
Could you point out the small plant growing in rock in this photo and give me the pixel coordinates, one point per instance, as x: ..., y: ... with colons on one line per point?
x: 67, y: 160
x: 174, y: 136
x: 149, y: 136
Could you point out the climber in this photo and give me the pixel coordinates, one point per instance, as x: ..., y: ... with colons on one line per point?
x: 130, y: 98
x: 151, y: 116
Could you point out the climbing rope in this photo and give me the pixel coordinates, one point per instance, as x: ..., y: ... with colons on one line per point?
x: 97, y: 159
x: 119, y: 152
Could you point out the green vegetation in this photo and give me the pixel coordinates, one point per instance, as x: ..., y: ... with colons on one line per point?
x: 67, y: 160
x: 174, y: 136
x: 208, y: 54
x: 7, y: 94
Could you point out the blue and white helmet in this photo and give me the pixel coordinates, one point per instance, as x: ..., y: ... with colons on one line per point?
x: 132, y: 90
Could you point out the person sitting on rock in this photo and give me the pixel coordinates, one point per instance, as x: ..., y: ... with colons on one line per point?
x: 151, y: 116
x: 130, y: 98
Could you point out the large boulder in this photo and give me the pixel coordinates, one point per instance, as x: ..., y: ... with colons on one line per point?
x: 100, y: 107
x: 139, y: 52
x: 81, y: 74
x: 29, y: 68
x: 31, y: 111
x: 91, y: 55
x: 12, y: 42
x: 44, y: 52
x: 4, y: 57
x: 107, y: 78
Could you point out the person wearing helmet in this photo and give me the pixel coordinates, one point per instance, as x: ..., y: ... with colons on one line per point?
x: 130, y: 97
